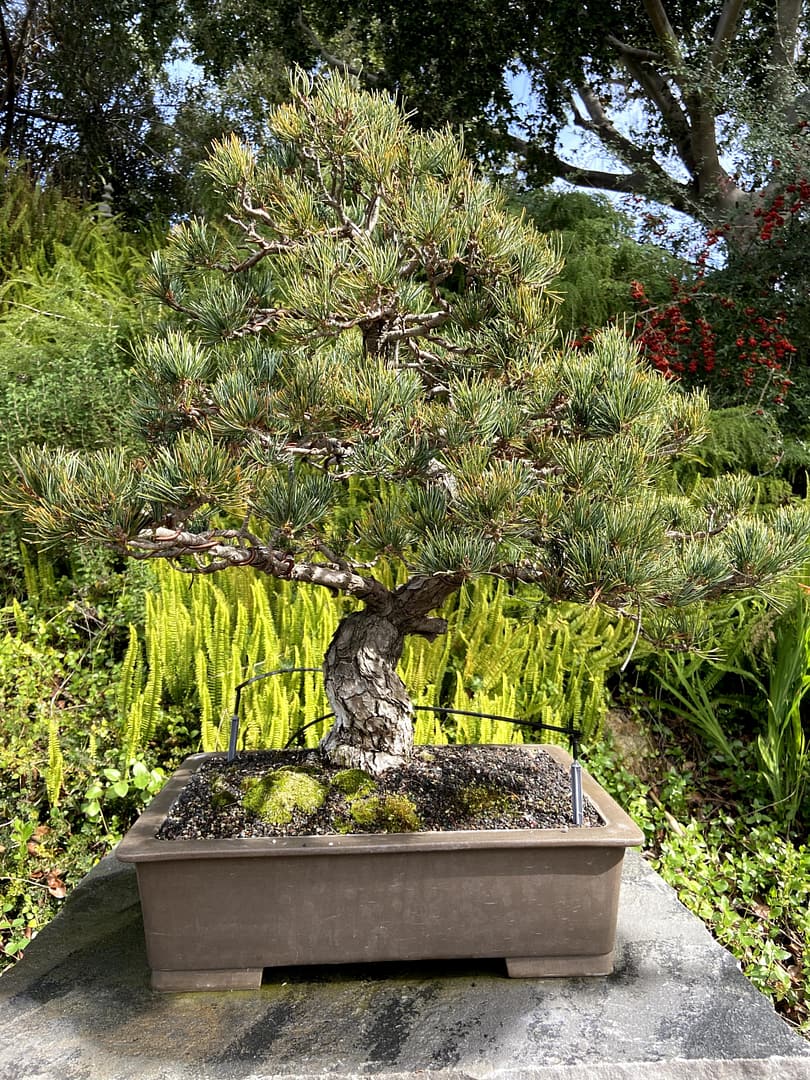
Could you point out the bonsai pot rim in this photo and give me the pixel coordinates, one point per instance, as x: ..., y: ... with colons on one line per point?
x: 140, y: 843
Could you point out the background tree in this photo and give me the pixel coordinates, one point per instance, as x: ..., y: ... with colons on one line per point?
x: 704, y: 82
x: 701, y: 79
x: 83, y: 97
x: 668, y: 90
x: 601, y: 259
x: 740, y: 329
x: 378, y: 318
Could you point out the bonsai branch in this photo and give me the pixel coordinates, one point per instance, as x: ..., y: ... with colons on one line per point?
x: 220, y: 550
x: 418, y: 326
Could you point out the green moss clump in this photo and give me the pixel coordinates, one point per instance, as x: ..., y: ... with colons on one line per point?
x: 476, y: 799
x: 277, y: 795
x: 222, y: 793
x: 391, y: 813
x: 350, y: 782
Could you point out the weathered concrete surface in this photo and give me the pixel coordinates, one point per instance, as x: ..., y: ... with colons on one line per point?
x: 79, y: 1007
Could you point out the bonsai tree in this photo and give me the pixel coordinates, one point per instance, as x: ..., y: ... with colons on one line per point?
x: 371, y: 318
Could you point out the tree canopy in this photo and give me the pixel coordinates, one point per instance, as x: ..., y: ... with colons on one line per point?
x: 82, y: 98
x: 699, y: 81
x: 692, y: 100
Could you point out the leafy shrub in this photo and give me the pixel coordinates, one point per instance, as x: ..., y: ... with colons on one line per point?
x: 62, y: 359
x: 728, y: 859
x: 66, y: 790
x: 740, y: 353
x: 739, y: 440
x: 742, y: 329
x: 602, y: 258
x: 745, y: 440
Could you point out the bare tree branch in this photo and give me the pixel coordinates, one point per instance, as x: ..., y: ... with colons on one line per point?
x: 14, y: 55
x: 601, y: 125
x: 633, y: 51
x: 694, y: 132
x: 787, y: 15
x: 641, y: 162
x: 659, y: 93
x: 25, y: 27
x: 657, y: 15
x: 37, y: 114
x: 782, y: 61
x: 724, y: 32
x: 5, y: 42
x: 333, y: 61
x: 622, y: 183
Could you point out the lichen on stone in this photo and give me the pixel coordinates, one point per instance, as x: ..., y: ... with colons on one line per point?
x: 280, y: 793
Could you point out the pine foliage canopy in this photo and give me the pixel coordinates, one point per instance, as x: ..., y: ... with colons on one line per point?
x: 372, y: 313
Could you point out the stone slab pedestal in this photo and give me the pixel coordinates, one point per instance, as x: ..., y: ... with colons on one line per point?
x: 79, y: 1007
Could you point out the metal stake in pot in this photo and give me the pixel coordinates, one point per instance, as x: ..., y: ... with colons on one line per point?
x: 577, y: 803
x: 233, y: 738
x: 249, y: 682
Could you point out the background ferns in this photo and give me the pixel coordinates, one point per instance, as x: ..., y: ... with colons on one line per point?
x: 204, y: 636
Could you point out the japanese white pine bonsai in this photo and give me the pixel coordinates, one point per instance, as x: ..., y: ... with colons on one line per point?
x: 372, y: 316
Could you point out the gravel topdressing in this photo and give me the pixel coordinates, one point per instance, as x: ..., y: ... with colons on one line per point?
x: 451, y: 788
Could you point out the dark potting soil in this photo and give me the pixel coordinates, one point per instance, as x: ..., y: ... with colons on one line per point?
x: 442, y: 789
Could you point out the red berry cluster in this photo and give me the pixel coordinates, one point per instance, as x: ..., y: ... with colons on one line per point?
x: 738, y: 347
x: 775, y: 216
x: 694, y: 335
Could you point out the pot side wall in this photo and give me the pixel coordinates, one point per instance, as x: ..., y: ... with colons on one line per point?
x: 415, y: 905
x: 216, y: 912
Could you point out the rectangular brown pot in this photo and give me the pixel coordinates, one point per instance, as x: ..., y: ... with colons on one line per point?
x: 217, y: 912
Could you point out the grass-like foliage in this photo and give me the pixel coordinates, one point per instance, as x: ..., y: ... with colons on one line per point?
x: 752, y: 685
x: 67, y: 311
x: 68, y: 282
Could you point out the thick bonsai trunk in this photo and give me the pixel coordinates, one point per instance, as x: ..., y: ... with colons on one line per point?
x: 373, y: 728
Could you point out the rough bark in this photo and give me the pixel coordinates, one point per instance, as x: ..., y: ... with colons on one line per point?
x: 373, y: 728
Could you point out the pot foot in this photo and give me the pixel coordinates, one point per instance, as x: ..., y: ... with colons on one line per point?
x: 222, y: 979
x: 558, y: 967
